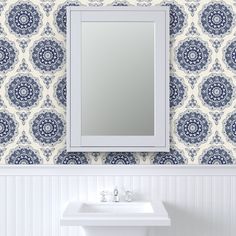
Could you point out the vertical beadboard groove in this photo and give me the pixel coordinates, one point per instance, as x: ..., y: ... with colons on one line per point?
x: 35, y: 196
x: 195, y: 202
x: 178, y: 222
x: 11, y: 194
x: 64, y: 199
x: 127, y: 183
x: 233, y: 206
x: 192, y: 203
x: 198, y: 205
x: 26, y: 214
x: 226, y: 202
x: 3, y: 209
x: 55, y: 206
x: 59, y: 205
x: 63, y: 191
x: 20, y: 205
x: 100, y: 182
x: 72, y: 194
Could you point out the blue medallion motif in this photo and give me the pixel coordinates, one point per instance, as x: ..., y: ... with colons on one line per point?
x: 193, y: 127
x: 8, y: 55
x: 216, y: 91
x: 177, y: 91
x: 177, y: 18
x: 47, y: 55
x: 216, y: 156
x: 8, y: 128
x: 120, y: 158
x: 23, y: 91
x: 60, y: 16
x: 47, y: 127
x: 61, y: 91
x: 24, y: 156
x: 230, y: 127
x: 23, y: 19
x: 230, y: 55
x: 217, y: 19
x: 173, y: 158
x: 71, y: 158
x: 192, y: 55
x: 120, y: 4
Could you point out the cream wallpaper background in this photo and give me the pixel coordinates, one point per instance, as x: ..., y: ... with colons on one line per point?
x: 32, y: 84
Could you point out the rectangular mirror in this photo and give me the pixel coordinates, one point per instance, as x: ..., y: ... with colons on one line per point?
x: 112, y: 103
x: 118, y: 78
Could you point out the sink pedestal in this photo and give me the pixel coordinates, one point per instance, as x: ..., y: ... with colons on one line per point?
x: 115, y: 231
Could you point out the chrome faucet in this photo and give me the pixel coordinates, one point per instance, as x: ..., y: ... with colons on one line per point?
x: 116, y: 195
x: 103, y: 196
x: 128, y: 196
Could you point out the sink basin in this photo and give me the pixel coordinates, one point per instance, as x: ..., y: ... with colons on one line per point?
x: 115, y: 214
x: 116, y: 208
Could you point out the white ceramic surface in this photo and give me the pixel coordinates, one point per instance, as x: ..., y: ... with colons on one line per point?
x: 115, y: 214
x: 115, y: 218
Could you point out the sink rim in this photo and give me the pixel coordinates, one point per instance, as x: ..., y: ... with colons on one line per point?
x: 71, y: 215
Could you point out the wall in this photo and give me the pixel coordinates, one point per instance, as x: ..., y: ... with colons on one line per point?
x: 199, y: 201
x: 33, y: 84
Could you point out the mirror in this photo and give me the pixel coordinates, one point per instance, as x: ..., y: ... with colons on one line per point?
x: 117, y: 83
x: 117, y: 76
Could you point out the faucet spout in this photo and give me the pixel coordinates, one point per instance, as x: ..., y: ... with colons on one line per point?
x: 116, y: 195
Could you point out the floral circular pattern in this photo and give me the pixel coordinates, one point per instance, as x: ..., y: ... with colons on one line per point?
x: 47, y: 128
x: 71, y: 158
x: 23, y: 19
x: 23, y: 156
x: 177, y: 18
x: 61, y: 91
x: 60, y: 16
x: 192, y: 55
x: 120, y: 4
x: 177, y: 91
x: 217, y: 19
x: 193, y: 127
x: 216, y: 156
x: 164, y: 158
x: 23, y: 91
x: 230, y: 127
x: 47, y: 55
x: 230, y: 55
x: 120, y: 158
x: 8, y: 128
x: 8, y: 55
x: 216, y: 91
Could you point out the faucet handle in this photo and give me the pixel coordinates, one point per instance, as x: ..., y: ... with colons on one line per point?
x: 115, y: 192
x: 128, y: 196
x: 103, y: 196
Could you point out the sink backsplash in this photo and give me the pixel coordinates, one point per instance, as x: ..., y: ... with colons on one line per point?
x: 33, y: 86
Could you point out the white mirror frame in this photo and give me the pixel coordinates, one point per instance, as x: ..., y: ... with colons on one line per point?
x: 160, y: 140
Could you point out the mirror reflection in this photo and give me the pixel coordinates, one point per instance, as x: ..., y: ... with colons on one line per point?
x: 117, y: 78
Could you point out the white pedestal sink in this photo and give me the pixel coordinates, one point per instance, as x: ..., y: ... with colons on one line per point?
x: 115, y: 219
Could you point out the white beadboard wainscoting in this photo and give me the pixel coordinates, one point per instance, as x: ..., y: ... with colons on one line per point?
x: 201, y: 200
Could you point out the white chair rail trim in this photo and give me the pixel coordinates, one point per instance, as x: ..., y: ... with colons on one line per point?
x: 118, y: 170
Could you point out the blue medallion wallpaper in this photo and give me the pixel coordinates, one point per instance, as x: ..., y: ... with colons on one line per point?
x: 33, y: 84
